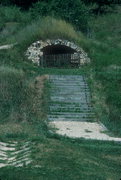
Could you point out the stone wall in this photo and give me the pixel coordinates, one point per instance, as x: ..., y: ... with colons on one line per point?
x: 34, y: 52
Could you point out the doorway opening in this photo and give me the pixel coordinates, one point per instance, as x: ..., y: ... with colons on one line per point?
x: 59, y: 56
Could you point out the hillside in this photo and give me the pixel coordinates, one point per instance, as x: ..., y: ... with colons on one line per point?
x: 25, y: 94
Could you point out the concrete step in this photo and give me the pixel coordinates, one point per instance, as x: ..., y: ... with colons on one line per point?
x: 70, y: 83
x: 63, y: 77
x: 64, y: 109
x: 66, y: 92
x: 73, y: 94
x: 74, y: 116
x: 70, y: 111
x: 70, y: 99
x: 71, y: 119
x: 70, y: 105
x: 71, y: 89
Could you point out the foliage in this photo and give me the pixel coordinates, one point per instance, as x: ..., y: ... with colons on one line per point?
x: 102, y: 6
x: 74, y: 12
x: 13, y: 14
x: 105, y: 53
x: 110, y: 79
x: 17, y: 96
x: 96, y: 6
x: 12, y: 19
x: 106, y: 29
x: 21, y: 3
x: 12, y: 93
x: 21, y: 111
x: 40, y: 29
x: 69, y: 159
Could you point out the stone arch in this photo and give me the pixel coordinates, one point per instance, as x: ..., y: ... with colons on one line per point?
x: 35, y: 51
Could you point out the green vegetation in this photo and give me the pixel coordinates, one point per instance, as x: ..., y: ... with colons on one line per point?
x: 78, y: 14
x: 98, y: 6
x: 12, y: 19
x: 61, y: 158
x: 107, y: 69
x: 23, y: 105
x: 40, y: 29
x: 101, y: 6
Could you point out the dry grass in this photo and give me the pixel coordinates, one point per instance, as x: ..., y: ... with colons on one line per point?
x: 16, y: 130
x: 22, y: 103
x: 41, y: 30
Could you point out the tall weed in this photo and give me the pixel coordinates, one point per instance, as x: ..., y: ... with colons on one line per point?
x: 46, y: 28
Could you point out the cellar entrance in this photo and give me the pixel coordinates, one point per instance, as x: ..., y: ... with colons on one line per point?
x: 57, y: 53
x: 59, y: 56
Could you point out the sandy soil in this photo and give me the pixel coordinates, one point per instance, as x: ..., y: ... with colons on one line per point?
x: 85, y: 130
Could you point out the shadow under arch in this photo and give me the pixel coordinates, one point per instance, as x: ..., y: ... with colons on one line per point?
x: 57, y: 53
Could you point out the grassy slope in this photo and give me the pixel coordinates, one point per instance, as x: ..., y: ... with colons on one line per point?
x: 59, y: 158
x: 106, y: 78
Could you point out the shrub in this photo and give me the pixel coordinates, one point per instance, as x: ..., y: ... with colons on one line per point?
x: 12, y: 19
x: 21, y: 3
x: 46, y: 28
x: 102, y: 6
x: 74, y: 12
x: 17, y: 96
x: 11, y: 89
x: 13, y: 14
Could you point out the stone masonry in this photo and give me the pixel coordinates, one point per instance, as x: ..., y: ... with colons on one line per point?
x: 35, y: 53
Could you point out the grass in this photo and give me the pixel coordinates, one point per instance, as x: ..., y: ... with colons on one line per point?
x: 69, y: 159
x: 106, y: 29
x: 23, y: 106
x: 39, y: 29
x: 12, y: 19
x: 105, y: 70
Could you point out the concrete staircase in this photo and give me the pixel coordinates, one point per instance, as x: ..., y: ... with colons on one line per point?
x: 70, y: 99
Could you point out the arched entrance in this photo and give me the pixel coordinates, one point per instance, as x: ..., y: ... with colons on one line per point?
x: 57, y: 53
x: 59, y: 56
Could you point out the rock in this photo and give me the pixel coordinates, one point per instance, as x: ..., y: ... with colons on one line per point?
x: 34, y: 52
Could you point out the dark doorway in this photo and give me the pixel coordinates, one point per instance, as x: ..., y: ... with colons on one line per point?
x: 59, y: 56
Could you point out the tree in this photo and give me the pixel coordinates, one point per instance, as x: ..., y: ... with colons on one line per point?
x: 102, y: 6
x: 73, y: 11
x: 24, y: 4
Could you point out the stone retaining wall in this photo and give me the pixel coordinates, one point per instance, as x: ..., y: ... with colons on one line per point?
x: 35, y: 53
